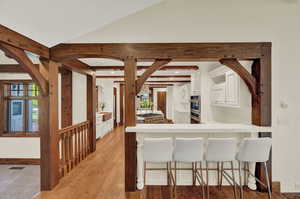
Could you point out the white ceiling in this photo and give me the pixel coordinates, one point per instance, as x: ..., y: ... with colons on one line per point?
x: 51, y: 22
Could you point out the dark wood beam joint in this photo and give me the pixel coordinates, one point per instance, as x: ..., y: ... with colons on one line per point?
x: 22, y: 42
x: 21, y: 57
x: 159, y: 63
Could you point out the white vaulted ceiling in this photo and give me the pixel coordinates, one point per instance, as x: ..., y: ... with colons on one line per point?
x: 51, y: 22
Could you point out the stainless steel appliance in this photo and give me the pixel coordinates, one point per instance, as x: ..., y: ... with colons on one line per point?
x: 195, y: 109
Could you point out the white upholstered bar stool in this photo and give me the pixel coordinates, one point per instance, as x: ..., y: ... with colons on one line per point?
x: 221, y: 150
x: 254, y: 150
x: 190, y: 150
x: 158, y: 150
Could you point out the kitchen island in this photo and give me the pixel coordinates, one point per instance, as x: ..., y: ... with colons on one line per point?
x: 209, y: 130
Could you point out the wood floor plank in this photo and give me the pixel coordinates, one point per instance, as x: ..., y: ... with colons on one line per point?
x: 101, y: 176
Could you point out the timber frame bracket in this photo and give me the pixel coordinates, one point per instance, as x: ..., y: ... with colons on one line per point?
x: 21, y: 57
x: 249, y: 79
x: 159, y: 63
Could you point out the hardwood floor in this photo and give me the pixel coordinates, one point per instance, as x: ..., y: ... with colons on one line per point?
x: 101, y: 176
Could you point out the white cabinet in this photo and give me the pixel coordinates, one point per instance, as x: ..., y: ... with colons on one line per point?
x: 218, y: 94
x: 196, y: 83
x: 232, y: 89
x: 227, y: 92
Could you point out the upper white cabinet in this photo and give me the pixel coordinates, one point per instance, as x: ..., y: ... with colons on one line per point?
x: 232, y: 89
x: 218, y: 94
x: 226, y: 89
x: 196, y: 83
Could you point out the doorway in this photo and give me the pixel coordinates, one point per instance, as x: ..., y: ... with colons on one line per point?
x: 162, y: 101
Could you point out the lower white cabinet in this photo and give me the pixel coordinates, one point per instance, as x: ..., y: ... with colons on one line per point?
x: 103, y: 127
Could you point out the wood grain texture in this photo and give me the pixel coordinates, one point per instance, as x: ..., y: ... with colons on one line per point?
x: 27, y: 65
x: 22, y: 42
x: 168, y: 67
x: 152, y: 51
x: 13, y: 161
x: 48, y: 124
x: 12, y: 68
x: 78, y: 66
x: 152, y: 76
x: 91, y: 109
x: 159, y: 63
x: 262, y: 106
x: 66, y: 98
x: 130, y: 120
x: 2, y: 107
x: 122, y: 90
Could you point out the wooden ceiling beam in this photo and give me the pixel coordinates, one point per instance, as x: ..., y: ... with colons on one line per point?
x: 168, y: 67
x: 22, y: 42
x: 152, y: 51
x: 78, y: 66
x: 171, y: 81
x: 152, y: 76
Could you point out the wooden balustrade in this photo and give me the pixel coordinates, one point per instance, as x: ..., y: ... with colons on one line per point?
x: 74, y: 146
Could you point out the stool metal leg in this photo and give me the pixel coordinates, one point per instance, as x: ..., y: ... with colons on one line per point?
x: 233, y: 179
x: 221, y: 179
x: 193, y: 173
x: 241, y: 183
x: 202, y: 185
x: 218, y: 172
x: 145, y: 173
x: 207, y: 183
x: 268, y: 180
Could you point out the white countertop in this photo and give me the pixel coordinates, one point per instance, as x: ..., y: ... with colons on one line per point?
x: 197, y: 128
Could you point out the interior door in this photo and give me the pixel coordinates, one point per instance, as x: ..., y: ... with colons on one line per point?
x: 162, y: 101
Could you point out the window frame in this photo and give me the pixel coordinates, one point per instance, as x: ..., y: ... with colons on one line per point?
x: 7, y: 98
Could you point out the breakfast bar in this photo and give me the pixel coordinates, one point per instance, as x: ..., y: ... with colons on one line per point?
x: 205, y: 131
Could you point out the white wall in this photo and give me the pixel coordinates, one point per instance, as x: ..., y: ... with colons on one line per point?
x: 19, y: 147
x: 79, y: 97
x: 234, y: 21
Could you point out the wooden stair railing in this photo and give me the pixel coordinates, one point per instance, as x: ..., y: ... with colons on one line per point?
x: 74, y: 146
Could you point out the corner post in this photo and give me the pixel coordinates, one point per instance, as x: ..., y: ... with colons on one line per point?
x: 130, y: 120
x: 91, y: 109
x: 262, y: 107
x: 48, y: 126
x: 66, y: 98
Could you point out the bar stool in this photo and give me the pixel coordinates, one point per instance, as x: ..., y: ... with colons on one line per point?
x: 254, y: 150
x: 158, y: 150
x: 190, y: 150
x: 221, y: 150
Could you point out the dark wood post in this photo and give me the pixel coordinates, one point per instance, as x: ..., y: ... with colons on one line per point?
x: 91, y: 109
x: 48, y: 127
x: 130, y: 120
x: 2, y: 106
x: 262, y: 106
x: 121, y: 104
x: 66, y: 98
